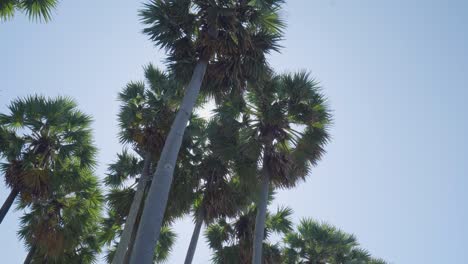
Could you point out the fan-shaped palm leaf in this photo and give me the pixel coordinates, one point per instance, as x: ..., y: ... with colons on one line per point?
x: 34, y: 9
x: 315, y: 242
x: 63, y: 228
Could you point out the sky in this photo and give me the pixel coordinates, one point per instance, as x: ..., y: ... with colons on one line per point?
x: 395, y: 73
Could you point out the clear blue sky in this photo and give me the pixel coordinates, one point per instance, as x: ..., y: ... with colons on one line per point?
x: 396, y: 74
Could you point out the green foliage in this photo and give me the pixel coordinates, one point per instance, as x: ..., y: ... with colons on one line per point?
x: 316, y: 242
x: 164, y: 245
x: 35, y: 9
x: 64, y: 228
x: 145, y: 118
x: 263, y: 122
x: 280, y: 222
x: 286, y: 125
x: 127, y: 166
x: 233, y: 36
x: 232, y: 242
x: 147, y: 111
x: 219, y: 190
x: 162, y: 250
x: 119, y: 200
x: 49, y: 158
x: 38, y: 135
x: 313, y: 242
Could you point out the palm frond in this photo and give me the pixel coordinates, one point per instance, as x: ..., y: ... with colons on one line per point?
x: 7, y: 9
x: 280, y: 222
x: 38, y: 9
x: 126, y: 166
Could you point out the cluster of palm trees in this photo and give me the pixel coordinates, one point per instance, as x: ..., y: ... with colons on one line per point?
x: 313, y: 242
x: 267, y: 132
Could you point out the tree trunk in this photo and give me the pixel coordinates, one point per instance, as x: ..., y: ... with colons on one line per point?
x: 155, y: 205
x: 195, y: 236
x: 30, y: 255
x: 133, y: 237
x: 7, y: 204
x: 132, y: 214
x: 262, y: 204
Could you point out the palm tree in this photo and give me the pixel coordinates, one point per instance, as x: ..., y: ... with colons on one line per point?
x: 145, y: 118
x: 49, y: 158
x: 220, y: 196
x: 34, y: 9
x: 286, y: 131
x: 230, y: 38
x: 63, y: 228
x: 38, y: 135
x: 232, y: 242
x: 322, y: 243
x: 120, y: 199
x: 144, y: 128
x: 221, y: 193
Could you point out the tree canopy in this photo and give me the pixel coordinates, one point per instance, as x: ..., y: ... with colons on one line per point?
x: 268, y: 131
x: 38, y: 10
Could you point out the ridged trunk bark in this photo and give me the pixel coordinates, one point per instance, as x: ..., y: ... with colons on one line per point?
x: 156, y: 201
x: 195, y: 236
x: 7, y: 204
x: 130, y: 223
x: 259, y: 233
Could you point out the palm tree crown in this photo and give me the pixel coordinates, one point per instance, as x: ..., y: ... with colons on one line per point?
x: 232, y: 242
x: 232, y: 36
x: 146, y: 111
x: 322, y: 243
x: 145, y: 119
x: 38, y: 135
x: 49, y: 157
x: 34, y: 9
x: 287, y: 119
x: 64, y: 228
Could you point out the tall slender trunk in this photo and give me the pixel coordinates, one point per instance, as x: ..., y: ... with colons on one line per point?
x: 133, y: 237
x: 156, y: 201
x: 132, y: 214
x: 30, y: 255
x: 195, y: 236
x: 259, y: 233
x: 7, y: 204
